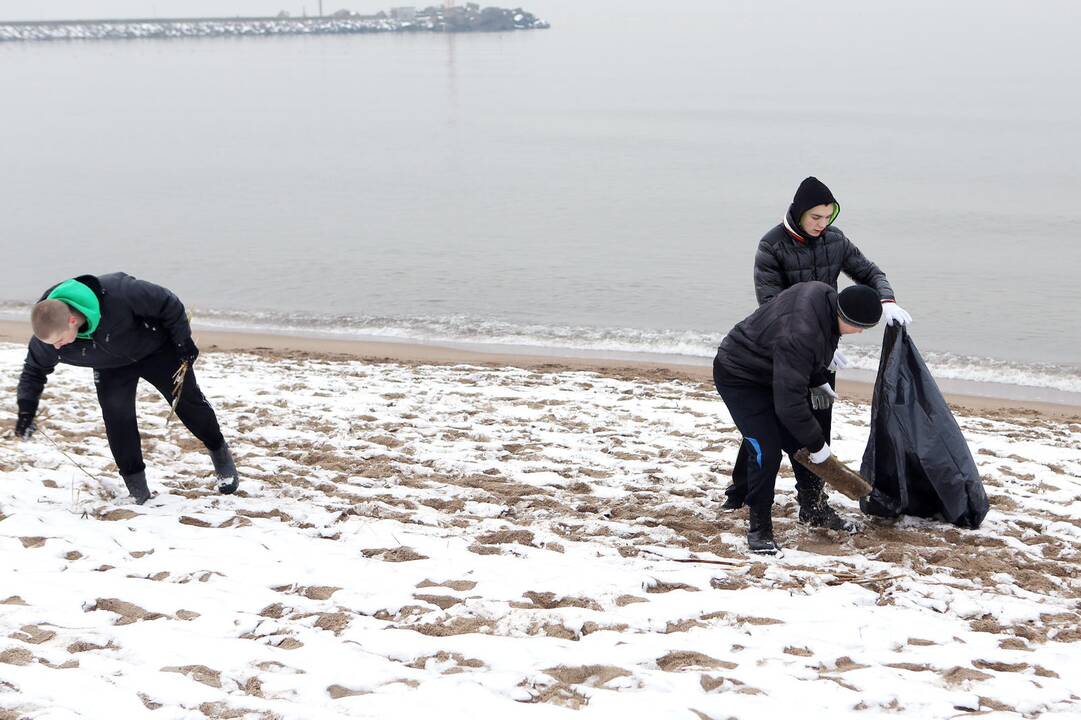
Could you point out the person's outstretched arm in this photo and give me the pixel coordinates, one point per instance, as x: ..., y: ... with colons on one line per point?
x: 41, y: 360
x: 857, y: 266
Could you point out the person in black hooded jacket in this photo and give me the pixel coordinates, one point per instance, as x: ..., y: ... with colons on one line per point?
x: 765, y: 367
x: 806, y: 246
x: 125, y: 329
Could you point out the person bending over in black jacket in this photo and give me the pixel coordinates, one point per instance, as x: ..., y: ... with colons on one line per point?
x: 764, y: 370
x: 125, y: 329
x: 806, y: 246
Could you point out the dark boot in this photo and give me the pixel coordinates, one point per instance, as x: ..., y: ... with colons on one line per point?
x: 136, y: 484
x: 815, y: 511
x: 735, y: 497
x: 760, y: 532
x: 225, y: 469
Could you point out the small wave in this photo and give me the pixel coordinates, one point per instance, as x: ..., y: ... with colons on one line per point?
x: 467, y: 330
x: 463, y: 329
x: 971, y: 368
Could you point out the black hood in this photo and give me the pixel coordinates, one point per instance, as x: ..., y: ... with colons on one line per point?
x: 91, y: 281
x: 810, y: 193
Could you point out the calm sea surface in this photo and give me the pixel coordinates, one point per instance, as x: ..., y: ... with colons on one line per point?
x: 602, y: 184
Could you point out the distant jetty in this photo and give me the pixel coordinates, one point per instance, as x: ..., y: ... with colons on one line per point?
x: 470, y: 18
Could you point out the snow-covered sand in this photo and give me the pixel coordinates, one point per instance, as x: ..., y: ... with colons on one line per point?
x: 424, y: 541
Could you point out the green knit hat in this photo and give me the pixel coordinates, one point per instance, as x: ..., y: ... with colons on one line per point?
x: 82, y: 299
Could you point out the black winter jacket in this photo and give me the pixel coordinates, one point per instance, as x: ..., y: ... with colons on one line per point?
x: 138, y: 318
x: 785, y: 257
x: 781, y: 345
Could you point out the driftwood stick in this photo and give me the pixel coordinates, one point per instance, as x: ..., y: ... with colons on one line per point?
x: 836, y: 475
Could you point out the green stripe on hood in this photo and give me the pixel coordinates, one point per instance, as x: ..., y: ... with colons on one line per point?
x: 83, y: 300
x: 836, y: 211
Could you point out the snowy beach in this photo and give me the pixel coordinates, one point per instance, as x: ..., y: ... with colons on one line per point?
x: 414, y: 538
x: 454, y: 292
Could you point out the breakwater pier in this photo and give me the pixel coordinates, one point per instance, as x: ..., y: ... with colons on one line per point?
x: 470, y: 18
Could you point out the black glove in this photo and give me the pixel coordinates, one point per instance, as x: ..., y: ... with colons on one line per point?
x: 24, y: 426
x: 187, y: 351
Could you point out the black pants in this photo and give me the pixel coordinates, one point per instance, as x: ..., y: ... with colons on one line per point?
x: 804, y: 477
x: 765, y: 437
x: 116, y: 395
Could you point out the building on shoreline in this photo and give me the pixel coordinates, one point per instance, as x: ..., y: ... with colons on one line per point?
x: 404, y: 14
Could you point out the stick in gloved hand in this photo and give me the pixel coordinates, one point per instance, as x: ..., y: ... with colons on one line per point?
x: 836, y: 474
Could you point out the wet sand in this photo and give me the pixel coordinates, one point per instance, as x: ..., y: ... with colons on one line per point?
x: 402, y: 352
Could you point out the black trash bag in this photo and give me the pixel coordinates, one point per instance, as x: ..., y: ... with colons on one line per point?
x: 917, y: 460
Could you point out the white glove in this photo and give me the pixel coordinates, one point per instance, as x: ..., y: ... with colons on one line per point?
x: 839, y: 362
x: 894, y: 313
x: 821, y: 456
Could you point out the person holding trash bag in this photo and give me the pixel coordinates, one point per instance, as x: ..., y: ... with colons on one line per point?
x: 763, y: 370
x: 125, y: 329
x: 806, y: 246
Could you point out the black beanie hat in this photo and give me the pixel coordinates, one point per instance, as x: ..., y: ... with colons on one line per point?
x: 811, y: 192
x: 860, y: 306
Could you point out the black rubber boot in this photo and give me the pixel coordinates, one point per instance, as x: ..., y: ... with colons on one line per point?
x: 815, y: 511
x: 225, y: 469
x: 735, y: 497
x: 760, y: 533
x: 136, y: 484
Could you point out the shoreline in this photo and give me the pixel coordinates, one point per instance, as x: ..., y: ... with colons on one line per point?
x: 420, y: 353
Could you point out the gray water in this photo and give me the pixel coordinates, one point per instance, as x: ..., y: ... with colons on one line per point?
x: 612, y: 175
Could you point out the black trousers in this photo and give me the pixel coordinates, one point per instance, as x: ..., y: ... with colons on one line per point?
x: 116, y: 394
x: 764, y: 436
x: 804, y: 477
